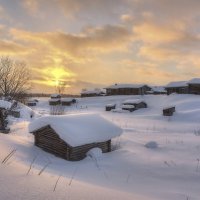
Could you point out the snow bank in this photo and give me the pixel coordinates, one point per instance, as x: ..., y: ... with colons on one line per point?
x: 79, y: 129
x: 95, y: 153
x: 5, y: 104
x: 25, y: 112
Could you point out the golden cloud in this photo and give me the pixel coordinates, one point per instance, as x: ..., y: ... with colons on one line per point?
x: 152, y: 33
x: 9, y: 47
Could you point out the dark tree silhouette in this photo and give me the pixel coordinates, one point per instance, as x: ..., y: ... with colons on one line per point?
x: 14, y: 78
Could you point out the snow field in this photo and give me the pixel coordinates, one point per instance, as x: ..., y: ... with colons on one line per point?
x: 132, y: 171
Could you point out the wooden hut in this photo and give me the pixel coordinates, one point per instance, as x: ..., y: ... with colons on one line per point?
x: 179, y: 87
x: 110, y: 107
x: 130, y: 108
x: 194, y: 86
x: 133, y: 104
x: 66, y: 101
x: 72, y: 136
x: 169, y: 111
x: 127, y: 89
x: 31, y: 103
x: 54, y: 102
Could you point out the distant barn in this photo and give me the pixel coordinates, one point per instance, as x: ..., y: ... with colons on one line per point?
x: 179, y: 87
x: 194, y: 86
x: 72, y: 136
x: 127, y: 89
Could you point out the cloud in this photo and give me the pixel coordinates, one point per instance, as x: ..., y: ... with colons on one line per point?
x: 150, y: 32
x: 31, y: 6
x: 102, y: 39
x: 4, y: 16
x: 9, y: 47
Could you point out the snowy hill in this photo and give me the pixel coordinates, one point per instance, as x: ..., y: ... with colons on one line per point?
x: 169, y: 170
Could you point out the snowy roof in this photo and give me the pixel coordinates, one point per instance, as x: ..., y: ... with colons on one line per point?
x: 79, y: 129
x: 128, y: 106
x: 194, y: 81
x: 66, y: 99
x: 110, y: 105
x: 5, y: 104
x: 158, y: 89
x: 132, y: 101
x: 177, y: 84
x: 54, y: 100
x: 117, y: 86
x: 31, y: 101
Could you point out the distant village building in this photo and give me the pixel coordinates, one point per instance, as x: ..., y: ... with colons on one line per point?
x: 72, y: 136
x: 179, y: 87
x: 92, y: 93
x: 194, y: 86
x: 156, y: 90
x: 55, y: 96
x: 127, y: 89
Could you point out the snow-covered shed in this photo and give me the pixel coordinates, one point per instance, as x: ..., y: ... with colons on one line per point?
x: 127, y: 89
x: 134, y: 104
x: 179, y: 87
x: 31, y: 103
x: 72, y: 136
x: 194, y: 86
x: 66, y: 101
x: 54, y: 102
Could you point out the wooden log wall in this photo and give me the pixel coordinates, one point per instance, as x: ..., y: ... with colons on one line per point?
x: 78, y: 153
x: 49, y: 141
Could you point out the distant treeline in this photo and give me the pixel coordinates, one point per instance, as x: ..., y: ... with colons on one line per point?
x: 48, y: 95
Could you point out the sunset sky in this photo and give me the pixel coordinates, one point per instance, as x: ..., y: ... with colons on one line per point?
x: 95, y: 43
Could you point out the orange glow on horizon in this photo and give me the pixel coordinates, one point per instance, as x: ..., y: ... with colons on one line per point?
x: 53, y: 76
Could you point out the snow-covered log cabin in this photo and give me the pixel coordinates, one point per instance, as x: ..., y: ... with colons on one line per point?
x: 72, y: 136
x: 127, y: 89
x: 194, y: 86
x: 179, y: 87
